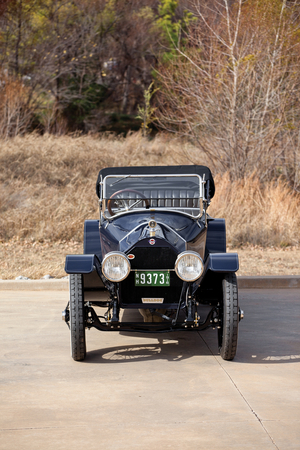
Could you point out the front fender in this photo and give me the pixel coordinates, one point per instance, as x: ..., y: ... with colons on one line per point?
x: 80, y: 263
x: 223, y: 262
x: 217, y: 263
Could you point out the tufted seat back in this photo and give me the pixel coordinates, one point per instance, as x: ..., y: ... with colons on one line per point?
x: 172, y: 198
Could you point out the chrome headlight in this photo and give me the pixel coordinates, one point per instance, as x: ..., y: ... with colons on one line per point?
x: 189, y: 266
x: 115, y: 266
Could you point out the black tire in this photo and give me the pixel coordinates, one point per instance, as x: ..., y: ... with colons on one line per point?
x: 77, y: 318
x: 228, y: 332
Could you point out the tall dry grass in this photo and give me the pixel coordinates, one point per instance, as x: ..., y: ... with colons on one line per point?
x: 47, y: 188
x: 258, y: 214
x: 47, y: 183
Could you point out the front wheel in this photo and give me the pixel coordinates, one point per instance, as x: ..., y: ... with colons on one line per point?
x: 77, y: 318
x: 228, y: 331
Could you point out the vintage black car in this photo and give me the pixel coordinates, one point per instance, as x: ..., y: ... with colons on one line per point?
x: 155, y: 249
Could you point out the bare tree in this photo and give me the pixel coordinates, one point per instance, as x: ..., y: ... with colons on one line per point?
x: 3, y: 6
x: 79, y: 58
x: 235, y: 89
x: 14, y: 115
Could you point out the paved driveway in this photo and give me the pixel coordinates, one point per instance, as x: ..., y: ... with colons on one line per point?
x: 141, y: 392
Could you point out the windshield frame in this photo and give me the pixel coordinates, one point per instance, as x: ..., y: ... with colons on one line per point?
x: 103, y: 200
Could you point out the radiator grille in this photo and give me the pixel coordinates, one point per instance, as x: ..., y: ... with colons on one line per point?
x: 156, y: 258
x: 153, y: 258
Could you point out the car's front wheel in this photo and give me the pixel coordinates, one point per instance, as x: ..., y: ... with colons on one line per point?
x: 77, y: 318
x: 228, y: 331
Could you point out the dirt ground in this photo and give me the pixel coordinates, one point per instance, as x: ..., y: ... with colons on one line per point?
x: 37, y: 259
x: 268, y: 261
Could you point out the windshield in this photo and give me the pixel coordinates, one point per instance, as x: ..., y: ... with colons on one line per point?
x: 132, y: 192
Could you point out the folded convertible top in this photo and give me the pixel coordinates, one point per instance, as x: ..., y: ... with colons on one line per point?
x: 158, y: 170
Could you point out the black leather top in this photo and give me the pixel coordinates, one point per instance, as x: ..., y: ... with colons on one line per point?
x: 160, y: 170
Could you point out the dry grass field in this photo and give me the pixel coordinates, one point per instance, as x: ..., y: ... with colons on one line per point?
x: 47, y: 190
x: 37, y: 259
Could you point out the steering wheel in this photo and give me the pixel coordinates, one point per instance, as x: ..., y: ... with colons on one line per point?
x: 123, y: 203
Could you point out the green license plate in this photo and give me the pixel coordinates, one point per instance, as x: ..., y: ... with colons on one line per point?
x: 152, y: 278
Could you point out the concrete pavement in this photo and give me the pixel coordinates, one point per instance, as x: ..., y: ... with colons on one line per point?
x: 148, y: 391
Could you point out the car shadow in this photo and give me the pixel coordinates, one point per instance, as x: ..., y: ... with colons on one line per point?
x: 175, y: 348
x: 269, y: 334
x: 170, y: 346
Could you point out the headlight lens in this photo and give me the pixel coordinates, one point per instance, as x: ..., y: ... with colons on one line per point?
x: 115, y: 266
x: 189, y: 266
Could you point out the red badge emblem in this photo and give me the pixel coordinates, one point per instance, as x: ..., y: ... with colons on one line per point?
x: 131, y: 256
x: 151, y: 241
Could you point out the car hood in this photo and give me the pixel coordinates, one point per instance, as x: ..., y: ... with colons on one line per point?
x: 127, y: 230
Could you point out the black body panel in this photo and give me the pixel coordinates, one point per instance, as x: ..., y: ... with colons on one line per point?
x: 126, y: 231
